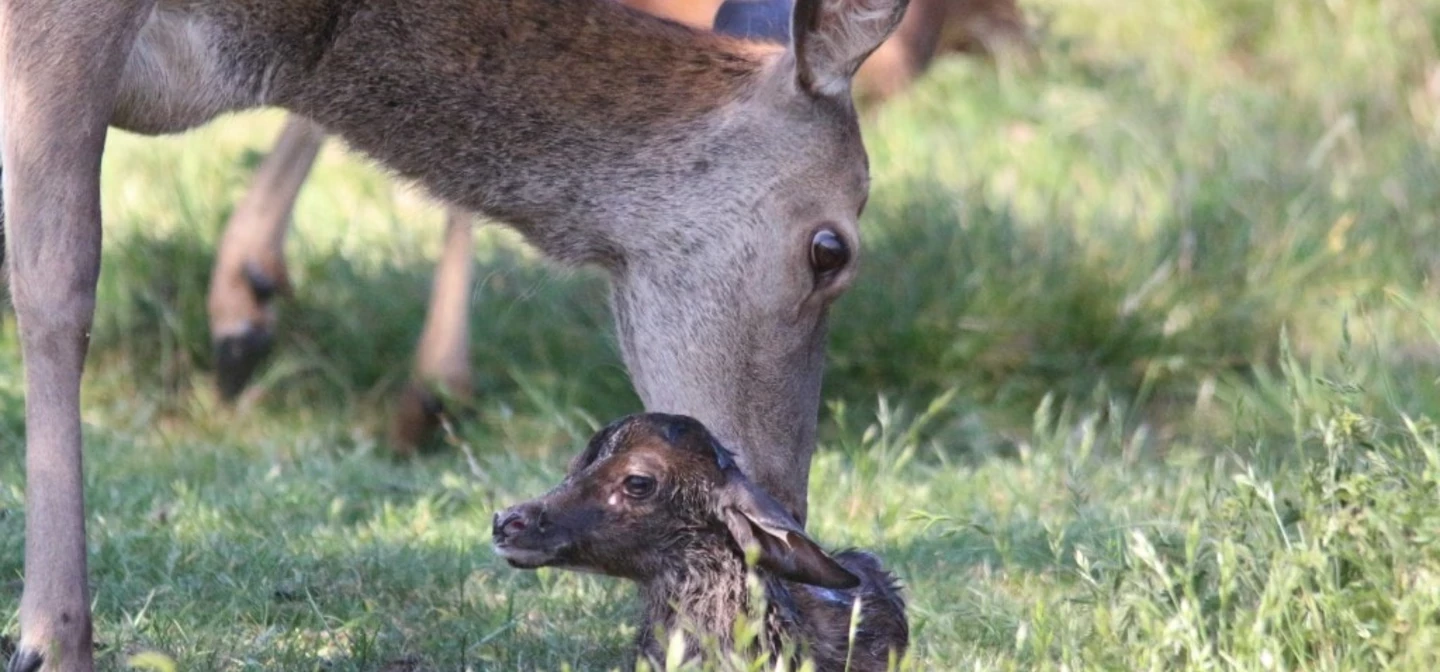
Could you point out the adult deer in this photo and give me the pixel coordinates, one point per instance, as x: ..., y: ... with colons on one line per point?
x: 719, y: 182
x: 250, y: 269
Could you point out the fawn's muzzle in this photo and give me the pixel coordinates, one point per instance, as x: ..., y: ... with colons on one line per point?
x: 522, y: 535
x: 508, y: 524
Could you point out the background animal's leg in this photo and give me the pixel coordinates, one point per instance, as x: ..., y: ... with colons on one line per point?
x: 932, y: 28
x: 994, y: 27
x: 3, y: 269
x: 900, y: 60
x: 60, y: 65
x: 250, y: 264
x: 442, y: 361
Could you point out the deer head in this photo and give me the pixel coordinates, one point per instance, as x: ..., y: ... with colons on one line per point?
x: 723, y: 315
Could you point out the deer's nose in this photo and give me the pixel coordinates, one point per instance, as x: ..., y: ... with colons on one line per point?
x: 510, y: 523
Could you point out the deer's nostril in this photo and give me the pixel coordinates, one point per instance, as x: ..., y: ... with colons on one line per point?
x: 511, y: 525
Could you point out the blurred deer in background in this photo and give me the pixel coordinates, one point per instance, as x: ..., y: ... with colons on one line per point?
x: 250, y: 271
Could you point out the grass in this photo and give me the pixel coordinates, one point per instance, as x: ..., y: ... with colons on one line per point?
x: 1141, y: 373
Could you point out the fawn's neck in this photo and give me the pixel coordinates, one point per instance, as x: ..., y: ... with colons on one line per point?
x: 707, y: 596
x: 535, y: 112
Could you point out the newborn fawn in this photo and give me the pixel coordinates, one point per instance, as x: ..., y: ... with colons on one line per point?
x: 656, y: 499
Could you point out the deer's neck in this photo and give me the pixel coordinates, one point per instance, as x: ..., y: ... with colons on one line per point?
x: 706, y: 597
x: 535, y: 112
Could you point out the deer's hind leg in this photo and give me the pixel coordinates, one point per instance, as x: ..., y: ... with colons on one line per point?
x: 250, y: 262
x: 442, y: 360
x: 60, y: 67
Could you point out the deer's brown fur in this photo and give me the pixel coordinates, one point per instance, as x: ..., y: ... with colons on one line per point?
x: 250, y: 263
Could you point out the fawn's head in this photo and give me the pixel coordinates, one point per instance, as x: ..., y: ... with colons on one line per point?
x: 648, y: 491
x: 722, y: 306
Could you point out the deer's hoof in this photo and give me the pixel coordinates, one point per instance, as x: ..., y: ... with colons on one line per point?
x: 24, y: 661
x: 237, y: 356
x: 417, y: 416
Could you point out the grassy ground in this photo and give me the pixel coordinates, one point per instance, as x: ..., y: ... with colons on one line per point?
x: 1141, y: 373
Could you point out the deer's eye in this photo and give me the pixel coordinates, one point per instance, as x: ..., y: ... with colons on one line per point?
x: 639, y: 487
x: 828, y: 253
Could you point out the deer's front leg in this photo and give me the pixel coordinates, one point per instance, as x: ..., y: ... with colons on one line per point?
x: 442, y: 360
x: 250, y: 263
x: 60, y: 65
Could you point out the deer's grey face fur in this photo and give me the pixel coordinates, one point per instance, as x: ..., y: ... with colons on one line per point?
x: 650, y: 495
x: 726, y: 322
x: 723, y: 317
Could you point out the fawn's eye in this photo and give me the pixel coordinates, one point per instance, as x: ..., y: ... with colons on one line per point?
x: 828, y: 253
x: 639, y: 487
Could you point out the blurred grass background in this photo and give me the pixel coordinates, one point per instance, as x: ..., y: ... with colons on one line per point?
x: 1177, y: 280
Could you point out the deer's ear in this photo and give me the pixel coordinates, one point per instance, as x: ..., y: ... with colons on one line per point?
x: 833, y: 37
x: 755, y: 519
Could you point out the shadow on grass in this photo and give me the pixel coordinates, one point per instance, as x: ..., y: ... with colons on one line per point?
x: 346, y: 340
x: 230, y: 560
x: 380, y: 606
x: 369, y: 608
x: 222, y: 601
x: 954, y: 294
x: 960, y: 294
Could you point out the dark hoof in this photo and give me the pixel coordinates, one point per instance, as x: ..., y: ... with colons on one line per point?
x: 236, y: 359
x: 417, y: 416
x: 24, y: 661
x: 263, y: 286
x: 410, y: 663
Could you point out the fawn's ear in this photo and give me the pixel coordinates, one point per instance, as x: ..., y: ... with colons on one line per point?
x: 602, y: 441
x: 756, y: 519
x: 833, y: 37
